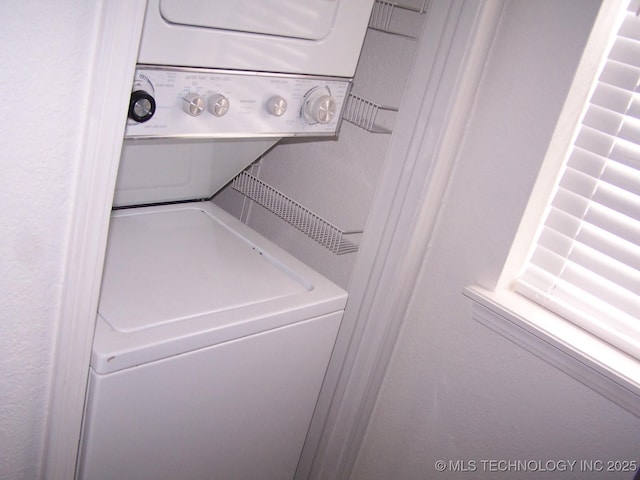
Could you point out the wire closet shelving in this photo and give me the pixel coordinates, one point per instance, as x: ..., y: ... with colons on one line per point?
x: 313, y: 225
x: 383, y: 12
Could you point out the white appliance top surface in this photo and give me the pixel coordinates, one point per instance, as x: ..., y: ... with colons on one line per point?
x: 180, y: 277
x: 166, y: 266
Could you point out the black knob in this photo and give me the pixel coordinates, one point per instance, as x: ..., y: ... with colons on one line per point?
x: 142, y: 106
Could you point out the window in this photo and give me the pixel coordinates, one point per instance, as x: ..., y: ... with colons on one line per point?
x: 585, y: 265
x: 577, y: 252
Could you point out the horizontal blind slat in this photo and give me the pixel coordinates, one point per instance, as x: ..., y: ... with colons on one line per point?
x: 630, y: 28
x: 615, y: 328
x: 618, y: 199
x: 623, y: 175
x: 614, y: 222
x: 595, y: 141
x: 620, y: 75
x: 586, y: 306
x: 612, y: 196
x: 602, y: 239
x: 612, y: 98
x: 625, y: 50
x: 603, y: 120
x: 586, y: 303
x: 630, y: 130
x: 559, y: 235
x: 592, y: 271
x: 611, y: 245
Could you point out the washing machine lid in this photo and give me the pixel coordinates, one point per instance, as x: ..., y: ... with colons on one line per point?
x: 165, y: 266
x: 181, y: 277
x: 310, y: 20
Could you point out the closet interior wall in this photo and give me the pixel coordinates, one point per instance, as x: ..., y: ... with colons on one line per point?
x: 336, y: 178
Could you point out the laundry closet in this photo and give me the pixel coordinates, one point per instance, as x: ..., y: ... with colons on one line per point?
x: 245, y: 181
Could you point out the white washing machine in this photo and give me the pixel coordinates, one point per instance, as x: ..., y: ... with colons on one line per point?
x: 211, y: 342
x: 210, y: 350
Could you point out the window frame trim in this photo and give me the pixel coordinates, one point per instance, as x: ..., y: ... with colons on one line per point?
x: 560, y: 343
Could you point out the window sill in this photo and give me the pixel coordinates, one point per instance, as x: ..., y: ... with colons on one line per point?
x: 577, y: 353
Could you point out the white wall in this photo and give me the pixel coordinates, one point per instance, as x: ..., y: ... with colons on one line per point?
x: 455, y: 390
x: 45, y: 53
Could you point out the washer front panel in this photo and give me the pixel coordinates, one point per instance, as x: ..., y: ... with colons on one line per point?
x: 235, y: 104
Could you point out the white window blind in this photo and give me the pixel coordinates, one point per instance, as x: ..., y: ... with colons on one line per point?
x: 585, y: 264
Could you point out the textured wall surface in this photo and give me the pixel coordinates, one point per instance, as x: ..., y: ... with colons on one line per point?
x: 45, y: 56
x: 456, y: 391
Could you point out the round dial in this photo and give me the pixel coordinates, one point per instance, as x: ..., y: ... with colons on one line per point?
x: 276, y: 106
x: 142, y: 104
x: 193, y: 104
x: 218, y: 105
x: 319, y: 106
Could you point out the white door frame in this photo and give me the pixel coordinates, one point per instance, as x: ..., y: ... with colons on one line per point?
x: 115, y: 53
x: 450, y: 56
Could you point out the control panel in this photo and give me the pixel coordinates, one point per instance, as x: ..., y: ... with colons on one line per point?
x: 205, y: 103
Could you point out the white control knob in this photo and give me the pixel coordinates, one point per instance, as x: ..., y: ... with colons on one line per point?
x: 193, y: 104
x: 218, y: 105
x: 319, y: 106
x: 276, y: 106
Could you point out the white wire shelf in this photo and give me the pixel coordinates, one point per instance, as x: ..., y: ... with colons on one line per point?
x: 309, y: 223
x: 383, y: 12
x: 369, y: 115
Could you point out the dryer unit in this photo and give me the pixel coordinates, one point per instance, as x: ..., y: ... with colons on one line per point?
x: 311, y: 37
x: 243, y: 72
x: 212, y: 343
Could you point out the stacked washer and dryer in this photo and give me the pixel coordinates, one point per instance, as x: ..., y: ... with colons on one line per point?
x: 212, y: 343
